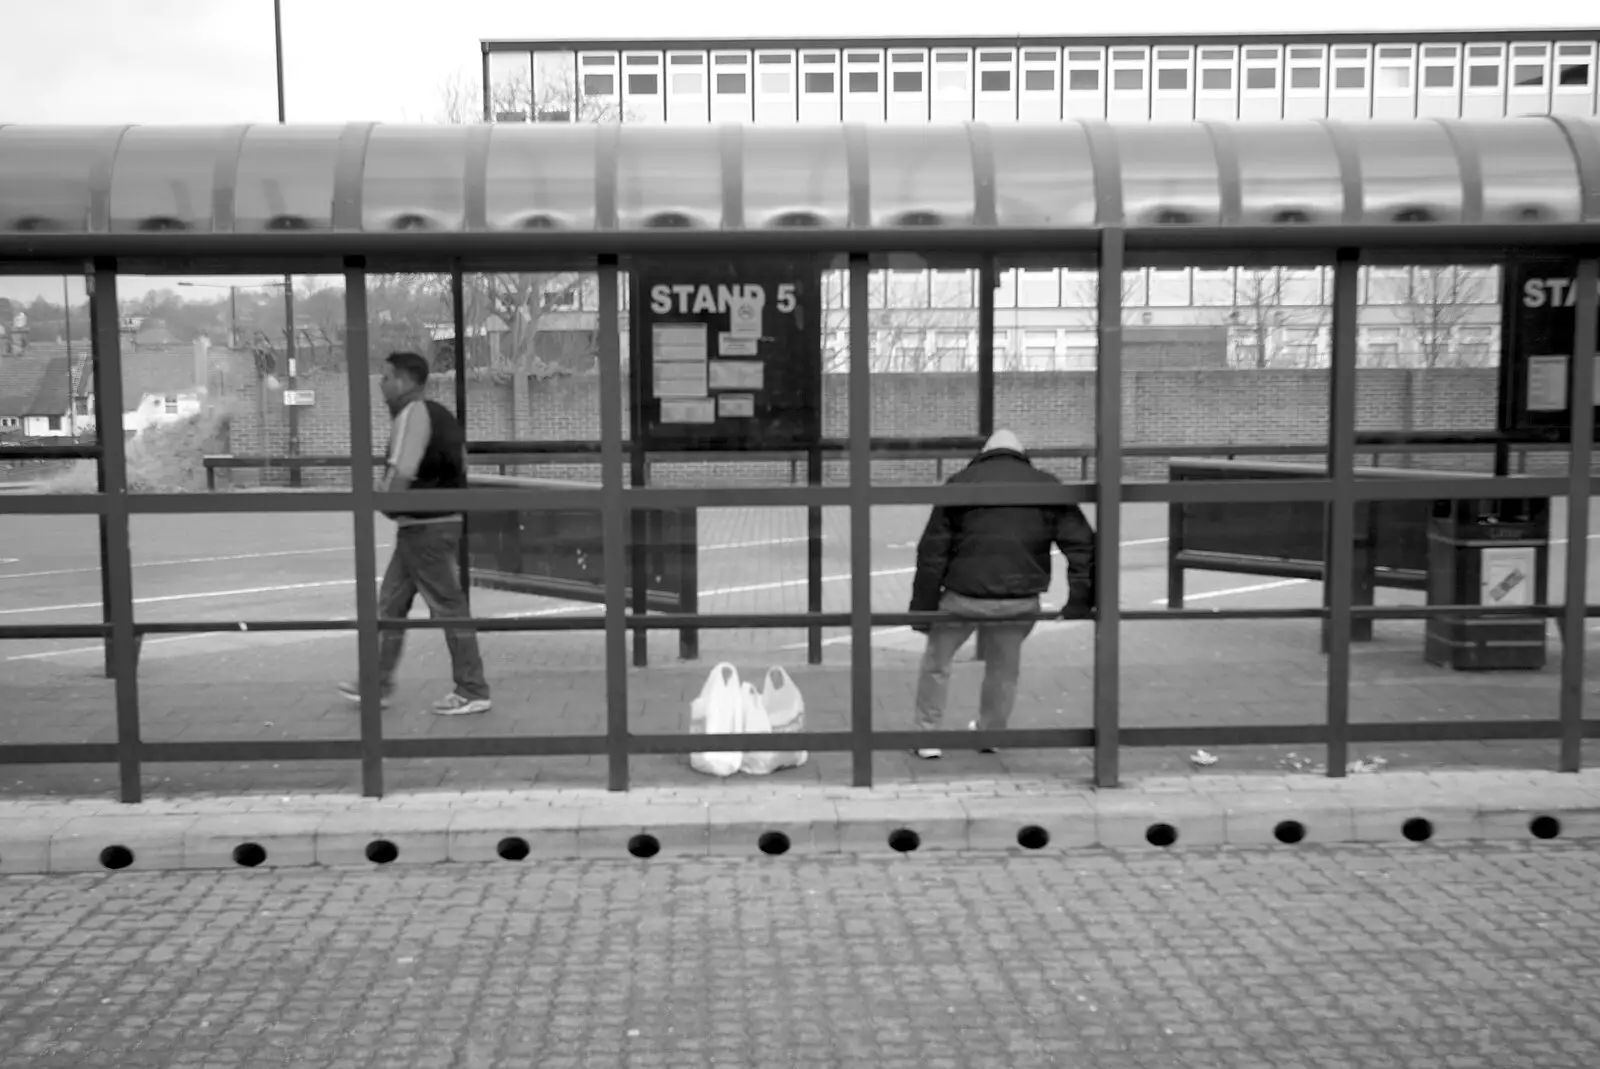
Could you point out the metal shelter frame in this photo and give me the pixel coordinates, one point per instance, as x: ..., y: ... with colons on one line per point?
x: 1346, y: 242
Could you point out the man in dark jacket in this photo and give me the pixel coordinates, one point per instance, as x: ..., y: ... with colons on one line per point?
x: 986, y: 563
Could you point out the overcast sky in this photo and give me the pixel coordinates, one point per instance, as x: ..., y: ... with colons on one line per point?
x: 211, y: 61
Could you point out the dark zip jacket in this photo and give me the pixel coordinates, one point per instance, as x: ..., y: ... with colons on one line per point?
x: 1003, y: 551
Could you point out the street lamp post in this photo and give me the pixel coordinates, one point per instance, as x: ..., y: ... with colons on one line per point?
x: 288, y: 280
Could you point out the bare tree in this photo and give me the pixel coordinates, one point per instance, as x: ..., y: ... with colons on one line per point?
x: 1263, y: 312
x: 1432, y: 302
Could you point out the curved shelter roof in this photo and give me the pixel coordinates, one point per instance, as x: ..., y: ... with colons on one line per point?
x: 368, y: 178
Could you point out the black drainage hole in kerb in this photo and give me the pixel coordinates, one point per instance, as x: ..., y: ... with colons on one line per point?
x: 1544, y: 827
x: 249, y: 855
x: 1289, y: 831
x: 773, y: 842
x: 904, y: 840
x: 116, y: 857
x: 1033, y: 837
x: 644, y: 846
x: 1417, y: 829
x: 1161, y: 835
x: 512, y: 848
x: 382, y: 851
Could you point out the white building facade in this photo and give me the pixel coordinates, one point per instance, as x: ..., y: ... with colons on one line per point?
x: 1044, y: 317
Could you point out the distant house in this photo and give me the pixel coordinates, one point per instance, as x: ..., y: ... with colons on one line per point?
x: 46, y: 393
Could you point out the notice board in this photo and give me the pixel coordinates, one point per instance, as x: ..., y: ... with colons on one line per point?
x: 727, y: 354
x: 1538, y: 328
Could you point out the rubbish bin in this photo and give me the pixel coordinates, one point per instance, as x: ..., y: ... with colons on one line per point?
x: 1490, y: 552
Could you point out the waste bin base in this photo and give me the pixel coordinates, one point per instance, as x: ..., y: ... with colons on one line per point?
x: 1486, y: 645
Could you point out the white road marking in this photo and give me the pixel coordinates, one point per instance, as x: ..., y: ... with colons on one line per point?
x: 1232, y: 590
x: 189, y: 560
x: 752, y: 545
x: 185, y: 597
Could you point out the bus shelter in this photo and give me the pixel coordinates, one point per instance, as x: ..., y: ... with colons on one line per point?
x: 711, y: 225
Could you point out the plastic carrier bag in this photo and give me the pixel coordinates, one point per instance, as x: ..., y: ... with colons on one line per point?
x: 783, y: 711
x: 719, y: 710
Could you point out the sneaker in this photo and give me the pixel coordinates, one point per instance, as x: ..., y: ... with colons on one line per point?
x: 929, y: 754
x: 460, y: 705
x: 351, y: 692
x: 973, y: 726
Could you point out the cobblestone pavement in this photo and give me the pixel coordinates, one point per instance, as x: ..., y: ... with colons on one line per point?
x: 1426, y: 957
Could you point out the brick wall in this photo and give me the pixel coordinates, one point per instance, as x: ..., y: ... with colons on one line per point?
x: 1044, y: 408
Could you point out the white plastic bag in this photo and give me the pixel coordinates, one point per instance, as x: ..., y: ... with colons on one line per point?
x: 761, y: 762
x: 785, y: 708
x: 718, y: 711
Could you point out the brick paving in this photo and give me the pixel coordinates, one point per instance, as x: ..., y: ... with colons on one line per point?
x: 1421, y: 957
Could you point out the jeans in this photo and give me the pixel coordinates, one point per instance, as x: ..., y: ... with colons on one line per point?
x: 1002, y: 663
x: 426, y: 560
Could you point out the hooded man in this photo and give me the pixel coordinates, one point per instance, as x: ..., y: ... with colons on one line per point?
x: 986, y: 563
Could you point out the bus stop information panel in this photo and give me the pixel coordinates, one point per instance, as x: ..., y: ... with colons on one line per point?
x: 1538, y: 331
x: 727, y: 354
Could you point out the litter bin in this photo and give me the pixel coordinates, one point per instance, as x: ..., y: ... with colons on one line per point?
x: 1490, y: 552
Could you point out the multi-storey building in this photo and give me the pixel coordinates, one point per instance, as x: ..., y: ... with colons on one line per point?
x: 1044, y: 318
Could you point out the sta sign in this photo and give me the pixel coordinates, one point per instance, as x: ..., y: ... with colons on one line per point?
x: 1550, y: 293
x: 689, y: 299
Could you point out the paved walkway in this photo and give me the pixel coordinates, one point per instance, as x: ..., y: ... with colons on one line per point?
x: 1430, y: 957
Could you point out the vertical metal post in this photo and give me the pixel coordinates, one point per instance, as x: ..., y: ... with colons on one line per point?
x: 458, y: 301
x: 986, y: 284
x: 814, y: 556
x: 294, y: 370
x: 366, y: 556
x: 101, y: 426
x: 1339, y: 578
x: 116, y: 553
x: 488, y: 101
x: 1108, y: 509
x: 1579, y: 464
x: 614, y: 528
x: 860, y: 436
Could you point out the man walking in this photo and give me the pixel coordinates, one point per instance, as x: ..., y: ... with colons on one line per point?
x: 986, y: 563
x: 427, y: 451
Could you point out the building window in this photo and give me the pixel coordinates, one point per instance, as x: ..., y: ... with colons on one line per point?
x: 1391, y: 77
x: 1438, y: 76
x: 995, y: 81
x: 1305, y: 77
x: 908, y: 81
x: 642, y: 84
x: 598, y: 85
x: 1040, y: 81
x: 1261, y: 77
x: 1213, y: 288
x: 172, y: 404
x: 686, y: 84
x: 775, y: 82
x: 863, y: 81
x: 1350, y: 77
x: 1127, y: 80
x: 908, y: 289
x: 1574, y: 74
x: 1484, y: 76
x: 819, y: 81
x: 1038, y: 289
x: 953, y: 289
x: 1169, y: 289
x: 1528, y: 75
x: 1083, y: 81
x: 1216, y: 79
x: 1172, y: 79
x: 730, y: 83
x: 55, y: 423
